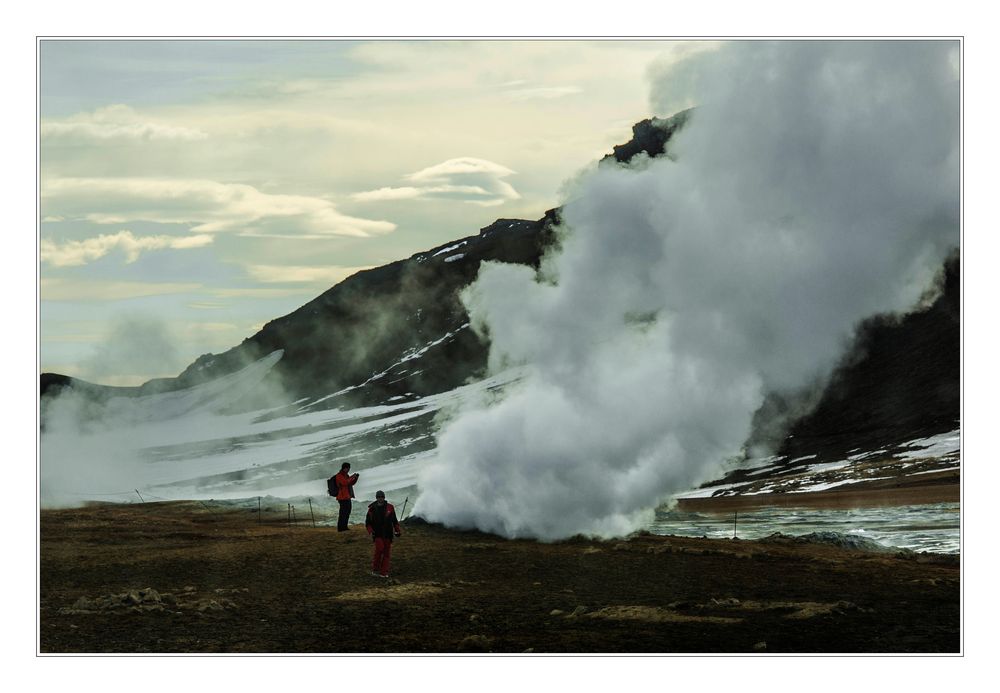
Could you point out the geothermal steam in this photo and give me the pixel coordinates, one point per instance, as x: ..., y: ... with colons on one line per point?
x: 816, y: 184
x: 102, y: 449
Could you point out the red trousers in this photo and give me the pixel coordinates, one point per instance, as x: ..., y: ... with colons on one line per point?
x: 380, y: 561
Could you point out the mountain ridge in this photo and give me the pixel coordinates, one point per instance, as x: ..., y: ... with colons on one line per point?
x: 358, y: 340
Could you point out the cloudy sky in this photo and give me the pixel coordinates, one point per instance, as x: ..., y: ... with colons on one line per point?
x: 193, y: 190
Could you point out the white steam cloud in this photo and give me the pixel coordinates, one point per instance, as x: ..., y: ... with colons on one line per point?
x: 113, y: 448
x: 816, y: 184
x: 134, y: 344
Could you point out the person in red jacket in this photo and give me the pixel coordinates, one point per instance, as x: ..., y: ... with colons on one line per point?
x: 382, y: 526
x: 345, y: 492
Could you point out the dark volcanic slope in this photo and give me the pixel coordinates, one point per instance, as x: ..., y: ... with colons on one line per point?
x: 364, y: 332
x: 361, y: 329
x: 903, y: 380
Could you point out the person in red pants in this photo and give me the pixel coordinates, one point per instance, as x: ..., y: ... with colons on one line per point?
x: 382, y: 525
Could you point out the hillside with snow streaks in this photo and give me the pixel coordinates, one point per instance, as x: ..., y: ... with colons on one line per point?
x: 938, y: 454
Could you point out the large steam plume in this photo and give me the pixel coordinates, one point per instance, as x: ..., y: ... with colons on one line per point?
x: 816, y: 184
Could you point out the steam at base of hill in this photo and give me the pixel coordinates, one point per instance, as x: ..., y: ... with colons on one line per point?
x: 817, y: 184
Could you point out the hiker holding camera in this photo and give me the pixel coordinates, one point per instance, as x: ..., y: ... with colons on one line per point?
x: 381, y: 525
x: 345, y: 492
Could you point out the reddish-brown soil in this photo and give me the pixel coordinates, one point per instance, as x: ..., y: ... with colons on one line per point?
x: 220, y: 582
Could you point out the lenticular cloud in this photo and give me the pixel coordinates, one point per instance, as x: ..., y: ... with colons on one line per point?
x: 816, y: 184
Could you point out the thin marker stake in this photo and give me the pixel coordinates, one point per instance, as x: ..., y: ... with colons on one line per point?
x: 735, y: 515
x: 311, y: 512
x: 140, y: 495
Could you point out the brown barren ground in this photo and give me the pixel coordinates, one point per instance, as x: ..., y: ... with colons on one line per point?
x: 185, y: 577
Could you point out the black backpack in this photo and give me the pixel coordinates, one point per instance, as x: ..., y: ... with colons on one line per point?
x: 331, y: 485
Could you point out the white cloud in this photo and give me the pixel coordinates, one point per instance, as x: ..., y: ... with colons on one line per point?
x: 209, y: 205
x: 115, y: 122
x: 476, y: 181
x: 407, y: 193
x: 543, y: 93
x: 73, y: 253
x: 455, y: 167
x: 330, y: 274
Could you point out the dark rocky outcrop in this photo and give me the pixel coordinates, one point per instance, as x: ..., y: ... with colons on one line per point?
x: 649, y: 136
x: 851, y: 542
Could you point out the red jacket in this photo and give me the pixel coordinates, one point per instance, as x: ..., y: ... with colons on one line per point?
x: 345, y: 485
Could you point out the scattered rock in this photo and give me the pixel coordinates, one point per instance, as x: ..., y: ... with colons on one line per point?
x: 556, y: 612
x: 652, y: 614
x: 760, y: 646
x: 475, y: 643
x: 578, y: 611
x: 473, y: 618
x: 812, y: 609
x: 392, y: 591
x: 481, y: 546
x: 210, y: 605
x: 838, y: 539
x: 729, y: 602
x: 138, y: 602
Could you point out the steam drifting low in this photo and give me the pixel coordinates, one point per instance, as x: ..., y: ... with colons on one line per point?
x: 816, y: 184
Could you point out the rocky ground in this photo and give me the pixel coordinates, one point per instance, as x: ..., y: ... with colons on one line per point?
x: 196, y: 577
